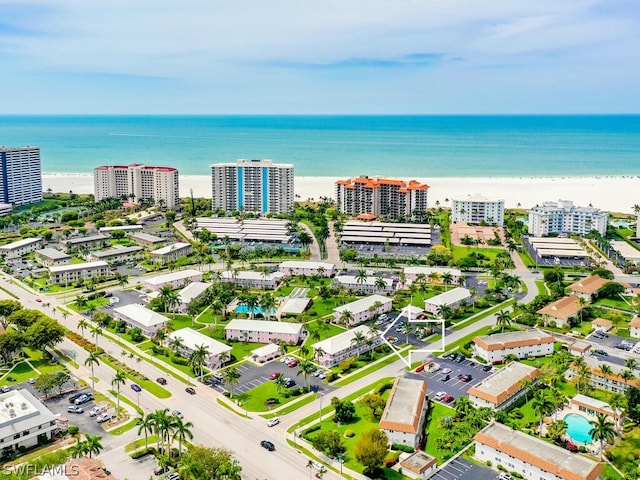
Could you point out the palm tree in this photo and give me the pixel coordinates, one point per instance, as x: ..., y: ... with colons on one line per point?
x: 305, y: 368
x: 310, y: 467
x: 627, y: 376
x: 268, y: 304
x: 541, y: 405
x: 582, y: 302
x: 447, y: 279
x: 557, y: 429
x: 605, y: 369
x: 162, y: 424
x: 358, y: 339
x: 602, y: 430
x: 164, y: 294
x: 525, y: 386
x: 92, y: 360
x: 198, y: 358
x: 93, y: 445
x: 503, y: 319
x: 145, y: 424
x: 380, y: 284
x: 118, y: 379
x: 318, y: 353
x: 631, y: 363
x: 618, y: 403
x: 82, y: 324
x: 231, y: 377
x: 182, y: 431
x: 96, y: 332
x: 177, y: 344
x: 361, y: 277
x: 346, y: 317
x: 463, y: 406
x: 79, y: 449
x: 279, y: 382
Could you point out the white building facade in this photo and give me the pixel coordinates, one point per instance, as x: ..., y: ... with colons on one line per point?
x: 335, y: 349
x: 364, y: 309
x: 74, y: 272
x: 21, y: 247
x: 253, y: 186
x: 529, y: 343
x: 478, y: 209
x: 563, y: 217
x: 20, y: 175
x: 191, y: 340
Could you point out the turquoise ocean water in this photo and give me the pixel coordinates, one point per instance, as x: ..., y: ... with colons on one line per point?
x: 418, y: 146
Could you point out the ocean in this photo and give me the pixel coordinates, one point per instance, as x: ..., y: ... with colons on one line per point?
x: 405, y: 146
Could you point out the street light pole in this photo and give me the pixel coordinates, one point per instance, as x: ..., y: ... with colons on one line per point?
x: 320, y: 411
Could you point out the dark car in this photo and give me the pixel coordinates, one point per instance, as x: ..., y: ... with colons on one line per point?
x: 601, y: 352
x: 445, y: 378
x: 486, y: 368
x: 190, y: 390
x: 288, y: 383
x: 448, y: 398
x: 268, y: 445
x: 160, y: 470
x: 75, y: 396
x: 161, y: 380
x: 460, y: 358
x: 135, y: 387
x: 465, y: 378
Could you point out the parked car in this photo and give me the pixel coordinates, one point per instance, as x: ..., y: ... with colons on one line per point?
x: 445, y: 371
x: 104, y: 416
x: 487, y: 368
x: 97, y: 410
x: 173, y: 476
x: 75, y: 409
x: 160, y: 470
x: 75, y: 396
x: 445, y: 378
x: 439, y: 396
x: 268, y: 445
x: 161, y: 380
x: 5, y: 389
x: 218, y: 376
x: 289, y: 382
x: 274, y: 375
x: 466, y: 378
x: 87, y: 397
x: 190, y: 390
x: 322, y: 375
x: 292, y: 363
x: 460, y: 358
x: 448, y: 398
x: 273, y: 422
x: 32, y: 380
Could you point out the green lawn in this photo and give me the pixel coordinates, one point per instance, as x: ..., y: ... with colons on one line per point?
x: 460, y: 252
x: 178, y: 322
x: 323, y: 307
x: 325, y: 330
x: 433, y: 425
x: 186, y: 369
x: 627, y: 448
x: 253, y: 400
x: 21, y: 372
x: 209, y: 317
x: 239, y: 350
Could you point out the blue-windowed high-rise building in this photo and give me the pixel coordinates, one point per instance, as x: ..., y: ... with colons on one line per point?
x: 259, y: 186
x: 20, y: 175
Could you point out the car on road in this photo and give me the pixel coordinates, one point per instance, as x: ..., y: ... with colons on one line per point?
x: 601, y: 353
x: 444, y: 371
x: 273, y: 422
x: 177, y: 413
x: 487, y: 368
x: 439, y: 396
x: 136, y: 388
x: 161, y: 380
x: 75, y: 409
x: 268, y: 445
x: 274, y: 375
x: 38, y: 300
x: 322, y: 375
x: 317, y: 465
x: 5, y: 389
x: 190, y: 390
x: 448, y: 398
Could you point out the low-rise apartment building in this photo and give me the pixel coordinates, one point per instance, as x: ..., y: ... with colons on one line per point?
x: 634, y: 327
x: 190, y: 340
x: 432, y: 275
x: 170, y: 253
x: 562, y: 311
x: 74, y: 272
x: 262, y: 331
x: 20, y: 247
x: 251, y: 279
x: 331, y: 351
x: 451, y: 299
x: 531, y: 457
x: 405, y: 412
x: 588, y: 287
x: 179, y: 279
x: 83, y: 468
x: 601, y: 324
x: 612, y: 382
x: 530, y: 343
x: 503, y: 388
x: 137, y: 316
x: 363, y: 309
x: 367, y: 285
x: 24, y: 421
x: 50, y: 257
x: 127, y: 229
x: 82, y: 245
x: 592, y: 406
x: 579, y: 348
x: 190, y: 293
x: 419, y: 465
x: 147, y: 240
x: 118, y: 255
x: 297, y: 268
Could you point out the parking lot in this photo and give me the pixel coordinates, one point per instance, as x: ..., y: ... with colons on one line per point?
x: 454, y: 386
x: 86, y: 423
x: 461, y: 468
x: 252, y: 375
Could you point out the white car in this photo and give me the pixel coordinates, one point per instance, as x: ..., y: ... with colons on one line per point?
x: 439, y: 396
x: 273, y: 422
x: 97, y: 410
x: 5, y: 389
x: 177, y: 413
x: 446, y: 370
x: 104, y: 416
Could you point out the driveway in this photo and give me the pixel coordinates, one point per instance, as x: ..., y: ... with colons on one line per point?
x: 461, y: 468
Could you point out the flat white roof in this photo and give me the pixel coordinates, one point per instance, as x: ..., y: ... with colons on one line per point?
x: 411, y: 312
x: 264, y: 326
x: 429, y: 270
x: 174, y: 247
x: 126, y: 228
x: 21, y: 243
x: 350, y: 238
x: 141, y: 315
x: 295, y: 305
x: 52, y: 254
x: 353, y: 280
x: 593, y: 402
x: 192, y: 291
x: 341, y: 341
x: 312, y: 265
x: 626, y: 250
x: 476, y: 197
x: 173, y: 276
x: 249, y: 275
x: 91, y: 238
x: 363, y: 304
x: 267, y: 349
x: 456, y: 295
x: 504, y: 381
x: 114, y: 252
x: 145, y: 237
x: 20, y: 411
x: 79, y: 266
x: 192, y: 339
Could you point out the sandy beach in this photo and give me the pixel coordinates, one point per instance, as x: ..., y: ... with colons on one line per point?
x: 610, y: 193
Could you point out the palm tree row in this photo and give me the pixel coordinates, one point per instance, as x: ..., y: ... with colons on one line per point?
x: 90, y: 446
x: 167, y: 428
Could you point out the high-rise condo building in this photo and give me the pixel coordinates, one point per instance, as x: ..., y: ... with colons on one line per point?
x: 381, y: 197
x: 20, y: 175
x: 138, y: 182
x: 477, y: 209
x: 564, y: 217
x: 253, y: 186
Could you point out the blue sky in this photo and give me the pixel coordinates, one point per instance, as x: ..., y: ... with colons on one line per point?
x: 330, y: 56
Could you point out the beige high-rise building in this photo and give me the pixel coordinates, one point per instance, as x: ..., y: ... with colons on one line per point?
x: 381, y: 197
x: 253, y: 186
x: 137, y: 181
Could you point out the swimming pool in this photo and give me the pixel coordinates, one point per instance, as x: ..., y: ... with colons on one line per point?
x: 578, y: 427
x: 256, y: 310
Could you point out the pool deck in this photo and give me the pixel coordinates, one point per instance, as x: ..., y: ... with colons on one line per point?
x: 560, y: 414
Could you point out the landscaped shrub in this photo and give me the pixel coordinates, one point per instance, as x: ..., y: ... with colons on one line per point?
x: 517, y: 414
x: 515, y: 474
x: 295, y: 392
x: 73, y: 430
x: 488, y: 463
x: 380, y: 389
x: 349, y: 433
x: 582, y: 449
x: 389, y: 462
x: 179, y: 360
x: 331, y: 376
x: 141, y: 453
x: 402, y: 448
x: 501, y: 468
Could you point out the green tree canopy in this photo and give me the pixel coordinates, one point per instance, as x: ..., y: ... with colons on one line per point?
x: 45, y: 333
x: 371, y: 449
x: 215, y: 463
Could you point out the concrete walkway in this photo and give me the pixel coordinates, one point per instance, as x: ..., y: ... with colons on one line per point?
x: 333, y: 251
x: 314, y: 247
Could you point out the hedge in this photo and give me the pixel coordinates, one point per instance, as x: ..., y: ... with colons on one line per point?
x: 141, y: 453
